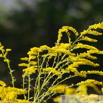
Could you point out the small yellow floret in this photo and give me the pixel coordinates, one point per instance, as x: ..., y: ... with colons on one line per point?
x: 25, y: 58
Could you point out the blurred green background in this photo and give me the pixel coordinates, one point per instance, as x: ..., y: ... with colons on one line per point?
x: 28, y: 23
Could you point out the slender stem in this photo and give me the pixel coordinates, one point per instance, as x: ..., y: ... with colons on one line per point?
x: 28, y: 87
x: 54, y: 61
x: 24, y: 87
x: 13, y: 80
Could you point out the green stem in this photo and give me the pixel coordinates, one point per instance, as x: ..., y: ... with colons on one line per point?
x: 24, y: 87
x: 28, y: 87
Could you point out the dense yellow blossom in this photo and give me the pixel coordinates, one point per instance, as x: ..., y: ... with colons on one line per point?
x: 10, y: 93
x: 29, y: 70
x: 55, y: 61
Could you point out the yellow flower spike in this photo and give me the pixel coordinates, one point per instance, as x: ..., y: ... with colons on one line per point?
x: 95, y: 72
x: 80, y: 45
x: 88, y: 39
x: 87, y: 55
x: 2, y: 83
x: 96, y: 26
x: 94, y: 32
x: 95, y: 51
x: 91, y: 32
x: 44, y: 47
x: 84, y: 32
x: 89, y: 81
x: 65, y: 29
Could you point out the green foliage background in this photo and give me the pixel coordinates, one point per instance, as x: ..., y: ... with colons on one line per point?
x: 38, y: 24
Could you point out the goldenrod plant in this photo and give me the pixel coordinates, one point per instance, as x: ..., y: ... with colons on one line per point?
x: 48, y: 62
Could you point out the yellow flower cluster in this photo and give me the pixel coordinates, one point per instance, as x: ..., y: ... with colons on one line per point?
x: 64, y: 61
x: 64, y: 45
x: 80, y: 45
x: 61, y: 49
x: 76, y: 72
x: 44, y: 47
x: 59, y: 88
x: 65, y: 29
x: 96, y: 26
x: 86, y: 38
x: 30, y: 70
x: 89, y: 81
x: 95, y: 72
x: 10, y: 93
x: 52, y: 70
x: 95, y: 51
x: 91, y: 32
x: 33, y: 51
x: 86, y: 55
x: 31, y: 66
